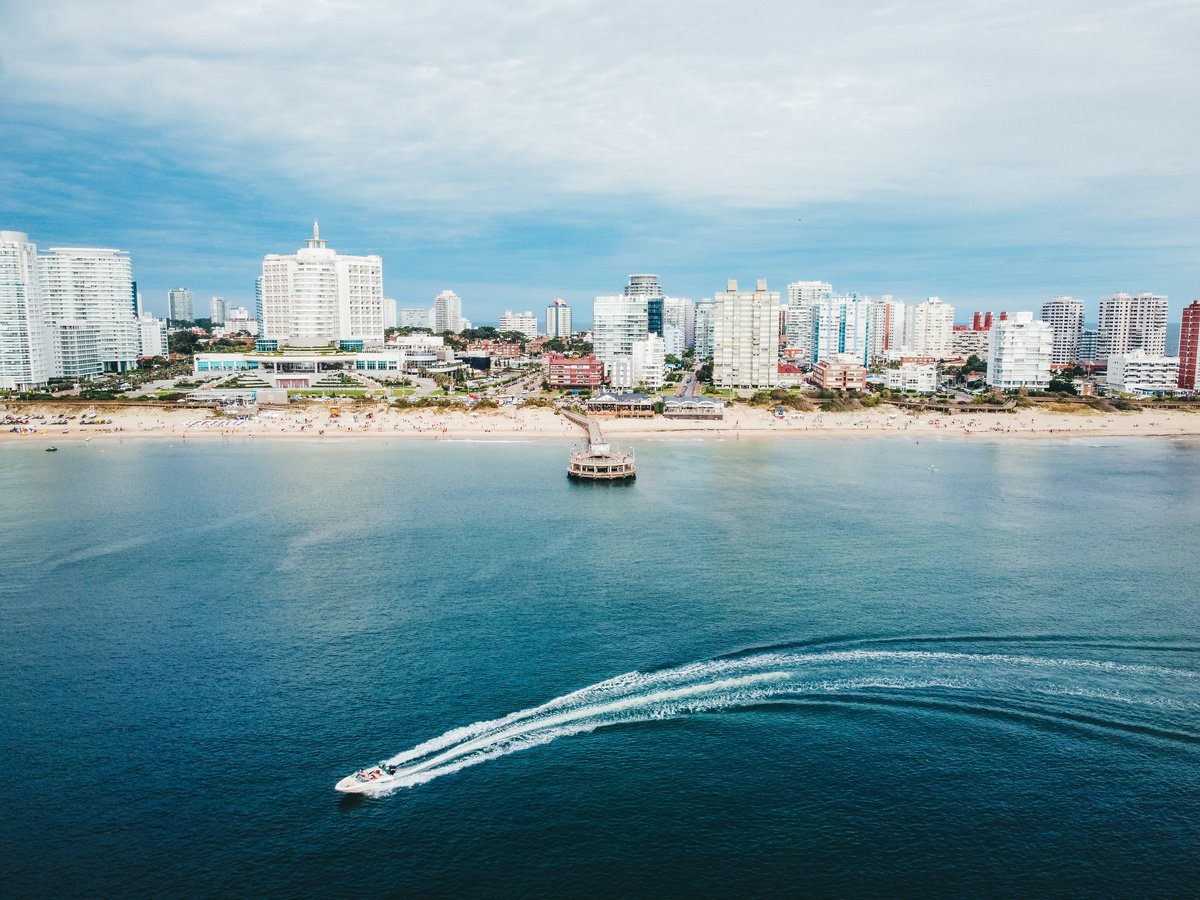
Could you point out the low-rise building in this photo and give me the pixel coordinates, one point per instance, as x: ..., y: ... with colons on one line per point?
x: 1143, y: 373
x: 791, y: 375
x: 300, y: 368
x: 704, y: 408
x: 574, y: 372
x: 611, y: 404
x: 916, y: 373
x: 838, y: 373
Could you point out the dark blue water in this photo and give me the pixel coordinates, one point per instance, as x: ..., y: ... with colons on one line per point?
x: 765, y: 667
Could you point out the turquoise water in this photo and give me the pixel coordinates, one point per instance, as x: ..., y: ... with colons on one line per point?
x: 766, y: 666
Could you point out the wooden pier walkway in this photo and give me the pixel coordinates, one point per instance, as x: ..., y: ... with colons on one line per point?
x: 592, y: 426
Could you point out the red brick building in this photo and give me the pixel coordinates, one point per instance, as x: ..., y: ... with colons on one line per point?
x: 832, y: 375
x: 574, y: 372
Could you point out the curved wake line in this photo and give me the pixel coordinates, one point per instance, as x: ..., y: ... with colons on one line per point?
x: 1125, y: 696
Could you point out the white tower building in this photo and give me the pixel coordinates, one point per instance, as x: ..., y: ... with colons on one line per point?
x: 706, y: 311
x: 558, y: 319
x: 1065, y: 316
x: 932, y: 327
x: 447, y: 312
x: 746, y: 337
x: 26, y: 354
x: 218, y: 310
x: 806, y: 293
x: 617, y: 321
x: 842, y: 327
x: 179, y: 308
x: 679, y: 324
x: 94, y: 286
x: 1019, y: 353
x: 317, y: 296
x: 152, y: 335
x: 1132, y: 323
x: 648, y: 358
x: 798, y: 328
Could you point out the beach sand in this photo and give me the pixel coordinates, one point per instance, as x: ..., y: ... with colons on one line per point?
x: 315, y: 422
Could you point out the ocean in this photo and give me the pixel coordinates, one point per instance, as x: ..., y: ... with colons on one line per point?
x: 841, y: 667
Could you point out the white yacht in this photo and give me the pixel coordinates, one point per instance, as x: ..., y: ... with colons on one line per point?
x: 368, y: 780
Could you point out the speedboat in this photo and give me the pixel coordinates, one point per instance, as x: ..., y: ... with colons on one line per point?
x: 368, y: 780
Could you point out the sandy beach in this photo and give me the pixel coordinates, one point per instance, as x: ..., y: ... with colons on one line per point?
x: 50, y: 424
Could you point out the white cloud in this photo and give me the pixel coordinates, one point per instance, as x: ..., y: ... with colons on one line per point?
x: 523, y: 105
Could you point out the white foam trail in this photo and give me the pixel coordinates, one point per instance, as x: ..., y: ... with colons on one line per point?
x: 777, y: 675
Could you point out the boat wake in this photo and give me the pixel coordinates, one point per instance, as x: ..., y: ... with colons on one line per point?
x: 1156, y: 702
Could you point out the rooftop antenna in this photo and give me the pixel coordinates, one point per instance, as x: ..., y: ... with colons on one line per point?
x: 315, y: 240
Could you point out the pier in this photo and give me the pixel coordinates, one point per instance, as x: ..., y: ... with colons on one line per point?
x: 600, y: 461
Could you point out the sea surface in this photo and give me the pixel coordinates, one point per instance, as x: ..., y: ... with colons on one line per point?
x: 835, y: 667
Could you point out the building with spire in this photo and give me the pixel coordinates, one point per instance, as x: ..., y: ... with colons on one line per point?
x: 316, y: 296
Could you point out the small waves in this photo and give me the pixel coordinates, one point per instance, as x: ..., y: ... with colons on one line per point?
x: 1119, y: 696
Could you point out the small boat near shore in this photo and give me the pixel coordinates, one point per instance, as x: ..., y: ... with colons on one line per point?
x: 367, y: 780
x: 51, y: 449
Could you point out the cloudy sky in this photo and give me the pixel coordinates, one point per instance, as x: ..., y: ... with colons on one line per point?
x: 991, y: 153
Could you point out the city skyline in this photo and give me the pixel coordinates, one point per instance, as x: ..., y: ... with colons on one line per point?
x: 994, y: 157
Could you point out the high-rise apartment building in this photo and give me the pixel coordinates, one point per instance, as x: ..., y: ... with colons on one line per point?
x: 447, y: 312
x: 522, y: 322
x: 889, y: 323
x: 1189, y: 346
x: 26, y: 353
x: 648, y: 358
x: 678, y: 324
x: 647, y: 288
x: 316, y: 296
x: 152, y: 335
x: 705, y: 322
x: 746, y: 337
x: 258, y: 301
x: 798, y: 329
x: 1132, y: 323
x: 1089, y: 344
x: 558, y: 319
x: 409, y: 317
x: 806, y: 293
x: 617, y: 321
x: 94, y: 286
x: 179, y: 304
x: 390, y: 313
x: 218, y: 310
x: 842, y: 327
x: 1019, y: 353
x: 1065, y: 316
x: 932, y: 327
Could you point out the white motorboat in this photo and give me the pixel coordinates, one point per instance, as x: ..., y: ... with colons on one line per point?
x: 368, y: 780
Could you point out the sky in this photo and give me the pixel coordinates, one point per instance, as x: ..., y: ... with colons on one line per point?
x: 994, y: 154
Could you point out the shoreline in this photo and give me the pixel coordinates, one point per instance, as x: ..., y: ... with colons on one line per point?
x: 527, y: 424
